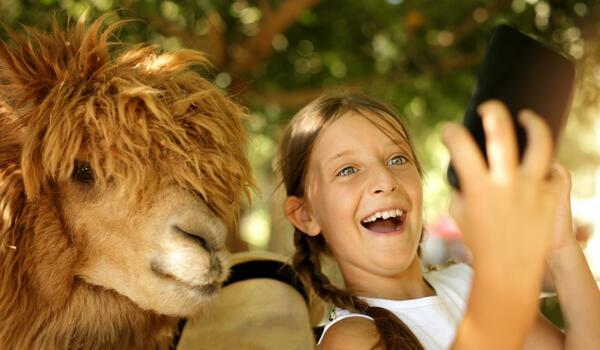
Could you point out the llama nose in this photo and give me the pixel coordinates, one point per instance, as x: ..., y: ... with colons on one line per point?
x: 197, y: 237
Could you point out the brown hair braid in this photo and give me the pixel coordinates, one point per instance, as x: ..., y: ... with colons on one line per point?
x: 295, y: 151
x: 306, y: 261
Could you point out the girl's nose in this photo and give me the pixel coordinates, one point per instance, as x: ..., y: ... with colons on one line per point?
x: 383, y: 182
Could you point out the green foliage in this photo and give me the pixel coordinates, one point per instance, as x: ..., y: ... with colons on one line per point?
x: 395, y: 49
x: 419, y: 55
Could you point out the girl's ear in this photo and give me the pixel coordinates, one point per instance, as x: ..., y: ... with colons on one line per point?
x: 298, y: 214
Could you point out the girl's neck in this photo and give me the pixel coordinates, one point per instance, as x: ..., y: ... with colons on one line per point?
x: 409, y: 284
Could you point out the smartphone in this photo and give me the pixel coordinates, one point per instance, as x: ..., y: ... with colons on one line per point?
x: 523, y: 73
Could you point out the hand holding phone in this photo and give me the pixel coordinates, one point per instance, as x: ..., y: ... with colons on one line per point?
x: 506, y: 211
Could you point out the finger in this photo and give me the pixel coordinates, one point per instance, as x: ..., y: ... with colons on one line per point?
x: 563, y: 176
x: 501, y: 145
x: 466, y: 158
x: 538, y: 154
x: 557, y: 185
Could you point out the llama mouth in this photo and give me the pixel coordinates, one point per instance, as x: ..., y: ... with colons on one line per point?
x: 205, y: 290
x: 209, y: 289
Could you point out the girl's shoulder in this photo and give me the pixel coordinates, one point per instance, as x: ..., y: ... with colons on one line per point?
x: 350, y: 332
x: 345, y: 320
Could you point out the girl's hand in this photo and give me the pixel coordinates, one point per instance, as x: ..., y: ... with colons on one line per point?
x: 507, y: 211
x: 507, y: 214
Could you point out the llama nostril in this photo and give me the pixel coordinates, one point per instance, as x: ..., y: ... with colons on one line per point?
x: 200, y: 241
x: 197, y: 237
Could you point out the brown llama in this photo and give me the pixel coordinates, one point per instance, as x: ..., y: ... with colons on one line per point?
x: 121, y: 173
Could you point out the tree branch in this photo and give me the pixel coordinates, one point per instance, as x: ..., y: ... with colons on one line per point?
x: 216, y: 38
x: 168, y: 28
x: 257, y: 48
x: 462, y: 30
x: 458, y: 62
x: 468, y: 25
x: 265, y: 8
x: 300, y: 97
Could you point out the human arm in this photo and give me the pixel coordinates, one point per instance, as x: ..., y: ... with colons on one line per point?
x: 505, y: 212
x: 578, y: 293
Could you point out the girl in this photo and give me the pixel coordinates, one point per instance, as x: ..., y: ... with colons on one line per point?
x: 354, y: 191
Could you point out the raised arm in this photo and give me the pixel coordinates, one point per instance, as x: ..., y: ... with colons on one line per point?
x: 506, y: 212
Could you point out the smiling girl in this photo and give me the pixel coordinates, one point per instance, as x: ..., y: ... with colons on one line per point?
x: 354, y: 191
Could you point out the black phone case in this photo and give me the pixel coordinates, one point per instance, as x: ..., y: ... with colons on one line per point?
x: 523, y: 73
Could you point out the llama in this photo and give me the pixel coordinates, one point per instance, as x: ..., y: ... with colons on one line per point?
x: 122, y: 170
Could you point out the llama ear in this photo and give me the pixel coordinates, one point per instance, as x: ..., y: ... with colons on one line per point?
x: 36, y: 63
x: 23, y: 81
x: 297, y: 212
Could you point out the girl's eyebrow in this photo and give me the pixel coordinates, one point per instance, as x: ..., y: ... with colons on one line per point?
x: 402, y: 143
x: 397, y: 141
x: 338, y: 155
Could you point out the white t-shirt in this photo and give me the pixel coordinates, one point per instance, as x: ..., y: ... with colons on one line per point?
x: 432, y: 319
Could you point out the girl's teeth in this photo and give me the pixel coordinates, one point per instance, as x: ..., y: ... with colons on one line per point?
x: 384, y: 215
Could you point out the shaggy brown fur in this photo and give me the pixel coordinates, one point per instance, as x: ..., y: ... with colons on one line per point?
x: 156, y: 135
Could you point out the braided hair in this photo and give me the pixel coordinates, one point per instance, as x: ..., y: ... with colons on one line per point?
x: 293, y: 160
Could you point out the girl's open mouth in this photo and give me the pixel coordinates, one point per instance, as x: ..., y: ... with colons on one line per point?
x: 385, y: 221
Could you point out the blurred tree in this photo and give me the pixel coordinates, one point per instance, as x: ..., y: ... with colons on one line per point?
x: 419, y: 55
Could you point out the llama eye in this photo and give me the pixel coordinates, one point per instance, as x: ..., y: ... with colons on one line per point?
x: 83, y: 172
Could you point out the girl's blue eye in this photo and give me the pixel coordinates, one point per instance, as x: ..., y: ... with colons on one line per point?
x: 397, y: 160
x: 349, y: 170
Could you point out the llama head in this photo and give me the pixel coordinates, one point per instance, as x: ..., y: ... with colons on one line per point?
x: 119, y: 168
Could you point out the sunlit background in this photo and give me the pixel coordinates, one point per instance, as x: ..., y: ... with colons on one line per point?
x: 421, y: 56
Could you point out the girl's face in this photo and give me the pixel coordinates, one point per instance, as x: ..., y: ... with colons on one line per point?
x: 363, y: 193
